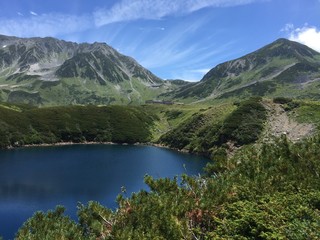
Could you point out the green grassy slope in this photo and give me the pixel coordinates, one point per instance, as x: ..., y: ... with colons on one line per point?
x: 68, y: 91
x: 217, y: 125
x: 23, y: 125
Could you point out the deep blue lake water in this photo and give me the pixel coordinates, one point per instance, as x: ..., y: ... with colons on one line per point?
x: 39, y: 178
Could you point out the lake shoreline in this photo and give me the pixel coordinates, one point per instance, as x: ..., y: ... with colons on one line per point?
x: 102, y: 143
x: 159, y: 145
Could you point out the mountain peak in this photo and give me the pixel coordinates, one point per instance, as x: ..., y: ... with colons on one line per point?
x: 287, y: 48
x: 282, y: 40
x: 280, y: 64
x: 44, y: 69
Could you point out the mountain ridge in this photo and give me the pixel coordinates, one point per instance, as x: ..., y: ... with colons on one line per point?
x: 30, y: 65
x: 262, y: 66
x: 49, y: 71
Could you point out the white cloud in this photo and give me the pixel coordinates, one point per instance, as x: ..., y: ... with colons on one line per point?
x: 307, y: 35
x: 33, y: 13
x: 44, y: 25
x: 288, y: 27
x: 55, y: 24
x: 127, y: 10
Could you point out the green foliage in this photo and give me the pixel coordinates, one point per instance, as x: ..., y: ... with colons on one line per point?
x: 50, y: 225
x: 95, y: 220
x: 274, y: 167
x: 288, y: 104
x: 281, y: 216
x: 74, y: 124
x: 268, y: 71
x: 200, y: 133
x: 173, y: 114
x: 308, y: 112
x: 282, y: 100
x: 182, y: 136
x: 245, y: 124
x: 255, y: 89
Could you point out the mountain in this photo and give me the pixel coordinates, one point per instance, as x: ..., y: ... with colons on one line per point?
x: 48, y: 71
x: 282, y: 68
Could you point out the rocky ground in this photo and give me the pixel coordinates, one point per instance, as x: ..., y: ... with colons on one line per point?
x: 279, y: 123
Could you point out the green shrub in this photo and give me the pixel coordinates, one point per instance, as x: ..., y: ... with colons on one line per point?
x: 74, y: 124
x: 50, y: 225
x: 282, y: 100
x: 245, y: 124
x: 173, y: 114
x: 198, y: 134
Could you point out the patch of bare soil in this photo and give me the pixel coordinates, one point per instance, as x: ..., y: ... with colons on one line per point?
x: 279, y: 123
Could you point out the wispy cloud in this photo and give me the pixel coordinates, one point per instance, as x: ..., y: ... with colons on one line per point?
x: 127, y: 10
x: 45, y: 25
x: 179, y: 52
x: 167, y: 50
x: 307, y: 35
x: 33, y: 13
x: 288, y: 27
x: 200, y: 61
x: 55, y: 24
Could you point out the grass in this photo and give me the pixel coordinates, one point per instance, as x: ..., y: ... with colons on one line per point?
x: 165, y: 121
x: 189, y: 133
x: 85, y: 91
x: 308, y: 112
x: 10, y: 107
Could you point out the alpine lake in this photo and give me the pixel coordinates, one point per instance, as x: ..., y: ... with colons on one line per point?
x: 40, y: 178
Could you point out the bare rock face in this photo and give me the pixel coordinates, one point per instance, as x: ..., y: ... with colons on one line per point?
x: 52, y: 58
x: 279, y: 123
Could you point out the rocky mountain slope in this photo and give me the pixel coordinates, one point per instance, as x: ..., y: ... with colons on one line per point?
x: 48, y: 71
x: 282, y: 68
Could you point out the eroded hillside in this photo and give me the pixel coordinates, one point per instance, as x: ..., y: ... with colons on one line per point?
x: 279, y: 123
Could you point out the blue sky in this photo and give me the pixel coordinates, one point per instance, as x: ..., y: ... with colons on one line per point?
x: 175, y: 39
